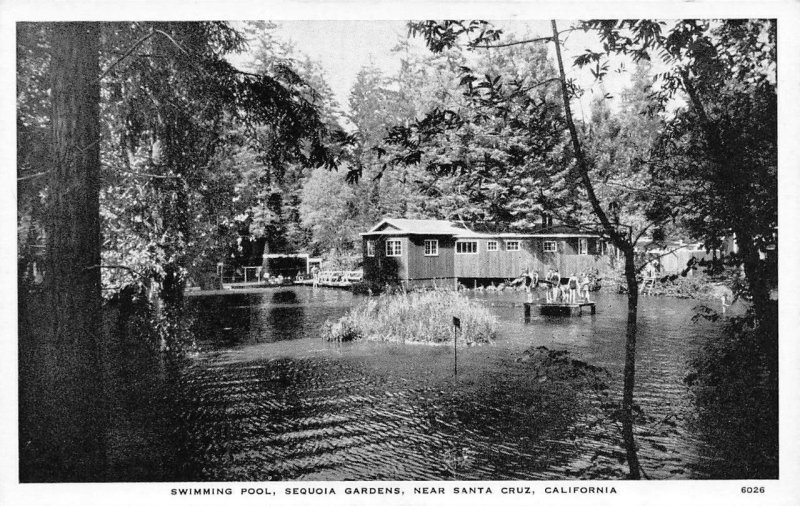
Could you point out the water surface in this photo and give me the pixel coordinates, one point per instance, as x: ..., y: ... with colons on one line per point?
x: 267, y: 399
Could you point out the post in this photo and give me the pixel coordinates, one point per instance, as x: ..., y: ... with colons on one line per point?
x: 456, y: 327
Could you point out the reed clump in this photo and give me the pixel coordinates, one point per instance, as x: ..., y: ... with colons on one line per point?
x: 416, y: 317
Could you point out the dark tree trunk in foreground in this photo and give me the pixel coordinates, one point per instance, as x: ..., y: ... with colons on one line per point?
x: 626, y: 246
x: 758, y: 280
x: 62, y: 405
x: 629, y: 373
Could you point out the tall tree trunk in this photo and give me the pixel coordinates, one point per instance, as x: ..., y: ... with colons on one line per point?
x: 755, y: 270
x: 756, y: 277
x: 766, y: 311
x: 67, y: 438
x: 625, y: 244
x: 629, y: 372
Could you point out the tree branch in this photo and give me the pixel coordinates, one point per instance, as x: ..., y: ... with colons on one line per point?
x: 145, y: 174
x: 540, y: 83
x: 509, y: 44
x: 116, y: 266
x: 526, y: 41
x: 580, y: 159
x: 127, y: 53
x: 643, y: 231
x: 643, y: 190
x: 32, y: 176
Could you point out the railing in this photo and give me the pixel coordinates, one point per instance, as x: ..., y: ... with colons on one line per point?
x: 338, y: 277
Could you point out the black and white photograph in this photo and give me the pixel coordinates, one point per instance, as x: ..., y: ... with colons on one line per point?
x: 337, y: 258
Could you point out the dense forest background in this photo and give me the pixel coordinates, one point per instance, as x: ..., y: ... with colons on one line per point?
x: 241, y: 192
x: 243, y: 187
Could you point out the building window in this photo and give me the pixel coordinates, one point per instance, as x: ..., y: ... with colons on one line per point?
x: 393, y: 248
x: 600, y: 247
x: 370, y: 248
x: 583, y: 246
x: 491, y: 246
x: 431, y: 247
x: 512, y: 245
x: 550, y: 246
x: 467, y: 247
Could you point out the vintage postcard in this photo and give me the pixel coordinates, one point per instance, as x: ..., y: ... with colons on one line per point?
x: 344, y: 253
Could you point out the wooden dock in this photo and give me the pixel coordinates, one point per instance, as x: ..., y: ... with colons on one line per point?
x: 334, y: 279
x: 559, y: 309
x: 325, y: 283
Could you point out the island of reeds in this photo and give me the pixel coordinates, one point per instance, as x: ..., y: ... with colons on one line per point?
x: 416, y: 317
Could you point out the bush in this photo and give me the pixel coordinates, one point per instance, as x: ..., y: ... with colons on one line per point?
x: 733, y: 382
x: 425, y: 317
x: 699, y: 285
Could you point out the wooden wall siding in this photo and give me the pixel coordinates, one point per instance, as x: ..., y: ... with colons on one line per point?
x: 423, y: 267
x: 501, y: 264
x: 676, y: 261
x: 583, y: 263
x: 373, y: 265
x: 504, y: 264
x: 496, y: 264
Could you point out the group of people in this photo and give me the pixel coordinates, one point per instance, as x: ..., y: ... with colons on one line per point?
x: 556, y: 290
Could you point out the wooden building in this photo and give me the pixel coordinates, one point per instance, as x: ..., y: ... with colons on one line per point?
x: 428, y: 252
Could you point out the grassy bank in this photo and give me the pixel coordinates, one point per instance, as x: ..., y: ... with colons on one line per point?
x: 419, y: 317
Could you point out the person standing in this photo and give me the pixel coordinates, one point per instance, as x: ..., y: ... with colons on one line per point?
x: 555, y: 279
x: 548, y: 290
x: 531, y: 281
x: 585, y: 282
x: 315, y: 276
x: 573, y: 288
x: 527, y: 280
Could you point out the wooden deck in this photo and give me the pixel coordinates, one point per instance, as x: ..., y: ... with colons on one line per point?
x: 560, y: 309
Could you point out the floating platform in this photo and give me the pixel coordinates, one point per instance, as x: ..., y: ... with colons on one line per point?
x: 559, y: 309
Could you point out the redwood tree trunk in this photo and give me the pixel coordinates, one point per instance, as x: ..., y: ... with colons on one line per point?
x: 64, y: 405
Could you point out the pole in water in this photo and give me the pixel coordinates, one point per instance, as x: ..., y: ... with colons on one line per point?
x: 456, y: 327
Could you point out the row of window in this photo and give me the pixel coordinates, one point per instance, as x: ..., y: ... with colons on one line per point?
x: 394, y: 247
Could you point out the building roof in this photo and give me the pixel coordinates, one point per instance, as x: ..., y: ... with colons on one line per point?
x: 403, y: 226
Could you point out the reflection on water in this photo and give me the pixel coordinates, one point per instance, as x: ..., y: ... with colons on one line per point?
x: 281, y: 314
x: 268, y: 399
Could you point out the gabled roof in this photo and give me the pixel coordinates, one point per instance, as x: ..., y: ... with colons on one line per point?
x: 401, y: 226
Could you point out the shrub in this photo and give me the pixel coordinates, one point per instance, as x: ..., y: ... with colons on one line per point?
x: 425, y: 317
